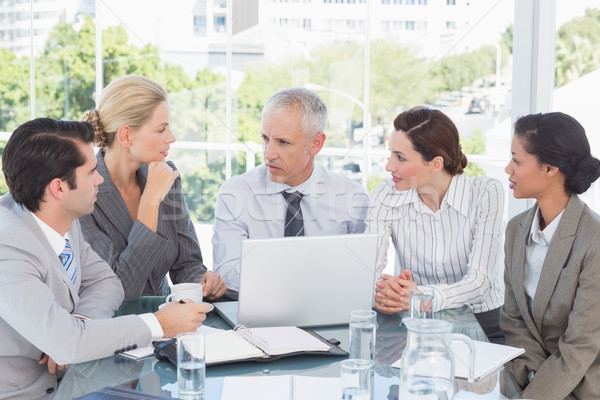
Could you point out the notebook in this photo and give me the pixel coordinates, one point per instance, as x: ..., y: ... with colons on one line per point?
x: 256, y: 344
x: 303, y: 281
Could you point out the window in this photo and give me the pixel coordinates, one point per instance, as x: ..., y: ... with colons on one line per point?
x: 332, y: 58
x: 220, y: 26
x: 200, y: 25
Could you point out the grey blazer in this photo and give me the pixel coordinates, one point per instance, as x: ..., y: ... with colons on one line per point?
x: 562, y: 339
x: 37, y: 303
x: 140, y: 257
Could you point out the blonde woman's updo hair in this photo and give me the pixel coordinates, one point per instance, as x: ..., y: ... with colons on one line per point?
x: 128, y: 100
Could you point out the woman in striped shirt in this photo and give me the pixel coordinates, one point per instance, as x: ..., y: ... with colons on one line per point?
x: 446, y: 228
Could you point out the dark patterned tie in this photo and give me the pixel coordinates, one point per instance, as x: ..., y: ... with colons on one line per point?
x: 67, y: 259
x: 294, y: 225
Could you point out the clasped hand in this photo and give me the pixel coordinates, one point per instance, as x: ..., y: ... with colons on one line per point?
x: 391, y: 292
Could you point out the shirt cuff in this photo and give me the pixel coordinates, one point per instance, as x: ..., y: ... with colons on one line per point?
x: 438, y: 299
x: 152, y: 322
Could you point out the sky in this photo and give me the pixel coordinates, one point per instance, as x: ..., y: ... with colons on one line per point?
x: 569, y: 9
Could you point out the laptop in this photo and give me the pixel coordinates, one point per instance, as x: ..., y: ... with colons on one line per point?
x: 304, y: 281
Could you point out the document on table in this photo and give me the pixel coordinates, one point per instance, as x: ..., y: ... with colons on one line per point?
x: 283, y: 387
x: 243, y: 343
x: 488, y: 358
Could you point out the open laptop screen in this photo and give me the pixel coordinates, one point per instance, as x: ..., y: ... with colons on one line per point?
x: 306, y: 281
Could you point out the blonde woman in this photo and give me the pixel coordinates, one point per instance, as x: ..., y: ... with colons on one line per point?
x: 141, y: 225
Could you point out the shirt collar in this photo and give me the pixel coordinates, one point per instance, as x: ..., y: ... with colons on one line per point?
x: 57, y: 242
x: 308, y: 188
x: 457, y: 196
x: 543, y: 237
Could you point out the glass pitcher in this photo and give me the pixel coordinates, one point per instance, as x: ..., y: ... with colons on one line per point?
x: 428, y: 362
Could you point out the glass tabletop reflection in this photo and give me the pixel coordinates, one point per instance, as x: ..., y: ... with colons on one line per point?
x: 159, y: 378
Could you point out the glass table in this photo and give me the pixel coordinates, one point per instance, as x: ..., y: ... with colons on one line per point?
x: 159, y: 378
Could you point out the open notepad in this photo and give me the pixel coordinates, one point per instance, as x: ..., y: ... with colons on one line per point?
x: 488, y: 358
x: 261, y: 343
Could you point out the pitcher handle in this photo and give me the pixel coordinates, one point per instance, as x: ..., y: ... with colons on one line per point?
x: 467, y: 340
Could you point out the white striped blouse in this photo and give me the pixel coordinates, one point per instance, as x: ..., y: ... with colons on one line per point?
x: 457, y: 249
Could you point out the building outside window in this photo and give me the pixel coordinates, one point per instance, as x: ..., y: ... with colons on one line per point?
x: 190, y: 60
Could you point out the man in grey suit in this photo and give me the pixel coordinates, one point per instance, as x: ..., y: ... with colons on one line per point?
x: 56, y: 295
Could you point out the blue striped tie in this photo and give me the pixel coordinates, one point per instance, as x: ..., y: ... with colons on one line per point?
x: 67, y: 258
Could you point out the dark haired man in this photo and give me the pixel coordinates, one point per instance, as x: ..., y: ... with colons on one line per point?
x: 56, y: 295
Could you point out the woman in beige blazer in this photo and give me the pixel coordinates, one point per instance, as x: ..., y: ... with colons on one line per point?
x: 552, y: 276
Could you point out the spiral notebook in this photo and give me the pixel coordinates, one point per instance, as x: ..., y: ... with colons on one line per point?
x: 257, y: 344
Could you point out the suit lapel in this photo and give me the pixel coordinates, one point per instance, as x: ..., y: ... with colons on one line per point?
x: 110, y: 201
x: 556, y: 258
x: 518, y: 259
x: 34, y: 227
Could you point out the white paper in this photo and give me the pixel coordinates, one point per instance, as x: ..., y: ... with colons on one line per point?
x: 208, y: 329
x: 283, y: 387
x: 286, y: 339
x: 256, y: 387
x: 140, y: 352
x: 227, y: 345
x: 316, y: 388
x: 488, y: 358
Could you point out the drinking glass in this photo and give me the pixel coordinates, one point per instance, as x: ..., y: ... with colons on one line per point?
x: 362, y: 334
x: 191, y: 365
x: 357, y: 379
x: 420, y: 302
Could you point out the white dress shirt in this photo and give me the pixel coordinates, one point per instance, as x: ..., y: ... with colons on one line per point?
x: 57, y: 242
x: 456, y: 250
x: 535, y: 254
x: 252, y: 206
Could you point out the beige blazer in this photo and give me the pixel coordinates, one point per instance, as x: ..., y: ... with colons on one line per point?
x: 562, y: 339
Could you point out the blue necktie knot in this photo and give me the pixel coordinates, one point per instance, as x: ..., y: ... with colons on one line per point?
x: 67, y: 258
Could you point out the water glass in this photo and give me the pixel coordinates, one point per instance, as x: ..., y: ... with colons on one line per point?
x: 191, y: 366
x: 362, y: 334
x: 420, y: 302
x: 357, y: 379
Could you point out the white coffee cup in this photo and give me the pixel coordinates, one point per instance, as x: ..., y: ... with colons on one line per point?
x: 183, y: 291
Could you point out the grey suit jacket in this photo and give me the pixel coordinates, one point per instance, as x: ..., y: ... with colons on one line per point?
x: 37, y: 303
x: 562, y: 339
x: 140, y: 257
